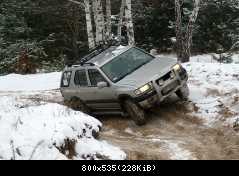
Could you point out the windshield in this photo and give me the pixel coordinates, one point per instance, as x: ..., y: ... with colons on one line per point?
x: 125, y: 64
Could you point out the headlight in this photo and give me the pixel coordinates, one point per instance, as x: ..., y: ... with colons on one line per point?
x: 144, y: 89
x: 176, y: 67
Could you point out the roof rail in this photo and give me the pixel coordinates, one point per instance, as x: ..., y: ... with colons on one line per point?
x: 84, y: 64
x: 94, y: 52
x: 98, y: 50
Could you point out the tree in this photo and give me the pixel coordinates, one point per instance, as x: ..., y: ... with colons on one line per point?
x: 121, y: 16
x: 91, y: 39
x: 184, y: 38
x: 99, y: 21
x: 129, y: 22
x: 217, y: 26
x: 108, y: 25
x: 126, y: 18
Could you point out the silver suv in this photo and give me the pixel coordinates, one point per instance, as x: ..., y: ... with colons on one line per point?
x: 125, y: 80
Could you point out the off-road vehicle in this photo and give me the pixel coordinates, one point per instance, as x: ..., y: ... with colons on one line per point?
x: 125, y: 80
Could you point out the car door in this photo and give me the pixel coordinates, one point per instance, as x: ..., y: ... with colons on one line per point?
x: 104, y: 98
x: 81, y: 83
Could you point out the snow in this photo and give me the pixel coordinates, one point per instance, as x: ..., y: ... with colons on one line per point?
x: 32, y: 129
x: 178, y: 153
x: 46, y: 126
x: 36, y: 82
x: 205, y: 58
x: 103, y: 148
x: 213, y: 89
x: 235, y: 58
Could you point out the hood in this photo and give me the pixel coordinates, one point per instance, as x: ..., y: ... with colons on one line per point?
x: 151, y: 71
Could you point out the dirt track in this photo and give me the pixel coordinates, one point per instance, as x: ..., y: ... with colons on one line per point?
x: 171, y: 133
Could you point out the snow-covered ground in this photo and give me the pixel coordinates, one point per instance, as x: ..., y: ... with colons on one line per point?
x: 214, y: 88
x: 205, y: 58
x: 34, y: 129
x: 214, y: 91
x: 35, y: 82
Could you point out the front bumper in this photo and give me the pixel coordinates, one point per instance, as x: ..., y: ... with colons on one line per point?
x: 161, y: 92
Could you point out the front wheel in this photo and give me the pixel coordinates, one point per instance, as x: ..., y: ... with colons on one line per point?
x: 183, y: 92
x: 135, y: 112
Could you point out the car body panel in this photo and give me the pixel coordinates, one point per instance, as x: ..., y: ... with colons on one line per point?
x: 109, y: 98
x: 152, y: 70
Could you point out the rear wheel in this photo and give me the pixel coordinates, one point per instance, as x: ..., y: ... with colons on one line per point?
x: 78, y: 105
x: 183, y: 93
x: 135, y: 112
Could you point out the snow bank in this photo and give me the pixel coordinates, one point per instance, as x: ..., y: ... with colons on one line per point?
x: 37, y: 132
x: 214, y: 90
x: 30, y: 129
x: 205, y: 58
x: 36, y: 82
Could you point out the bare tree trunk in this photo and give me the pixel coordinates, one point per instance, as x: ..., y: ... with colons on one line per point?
x: 99, y: 21
x: 91, y: 39
x: 184, y: 40
x: 129, y: 22
x: 108, y: 20
x: 179, y: 33
x: 95, y: 14
x: 122, y: 10
x: 189, y: 34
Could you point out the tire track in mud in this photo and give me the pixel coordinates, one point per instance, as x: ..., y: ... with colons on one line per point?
x: 172, y: 133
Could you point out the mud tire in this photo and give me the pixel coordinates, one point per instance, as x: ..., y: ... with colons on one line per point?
x: 183, y: 93
x: 135, y: 112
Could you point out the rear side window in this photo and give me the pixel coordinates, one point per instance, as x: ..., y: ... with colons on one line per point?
x: 66, y: 78
x: 95, y: 77
x: 81, y: 78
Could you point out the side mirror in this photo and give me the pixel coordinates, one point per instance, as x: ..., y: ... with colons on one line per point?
x: 102, y: 85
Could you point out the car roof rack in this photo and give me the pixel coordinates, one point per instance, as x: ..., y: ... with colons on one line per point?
x: 85, y: 64
x: 94, y: 52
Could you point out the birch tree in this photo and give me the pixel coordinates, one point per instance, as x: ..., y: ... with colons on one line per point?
x: 91, y: 39
x: 126, y: 18
x: 184, y: 39
x: 179, y: 32
x: 99, y: 21
x: 129, y: 22
x: 108, y: 26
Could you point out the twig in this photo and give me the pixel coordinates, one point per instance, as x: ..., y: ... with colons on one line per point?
x: 35, y: 148
x: 13, y: 150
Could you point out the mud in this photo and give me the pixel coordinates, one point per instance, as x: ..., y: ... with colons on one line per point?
x: 171, y: 133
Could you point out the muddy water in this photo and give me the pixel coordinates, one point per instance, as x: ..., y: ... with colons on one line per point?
x: 171, y: 133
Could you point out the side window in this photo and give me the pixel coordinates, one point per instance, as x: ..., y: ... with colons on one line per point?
x: 81, y: 78
x: 95, y: 77
x: 66, y: 78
